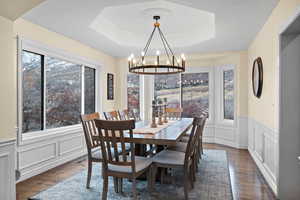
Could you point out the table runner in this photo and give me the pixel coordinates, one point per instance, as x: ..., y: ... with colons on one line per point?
x: 152, y: 131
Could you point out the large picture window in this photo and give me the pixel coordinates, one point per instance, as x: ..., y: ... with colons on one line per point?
x: 52, y: 92
x: 195, y: 93
x: 228, y: 94
x: 133, y: 93
x: 168, y: 86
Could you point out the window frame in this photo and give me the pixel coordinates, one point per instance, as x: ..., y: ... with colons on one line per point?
x: 42, y: 49
x: 211, y: 88
x: 220, y: 97
x: 141, y: 95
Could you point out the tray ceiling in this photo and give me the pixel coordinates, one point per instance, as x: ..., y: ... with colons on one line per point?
x: 121, y: 27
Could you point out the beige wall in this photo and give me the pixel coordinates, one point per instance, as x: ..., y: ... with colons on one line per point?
x: 266, y: 45
x: 239, y: 59
x: 34, y: 32
x: 7, y: 80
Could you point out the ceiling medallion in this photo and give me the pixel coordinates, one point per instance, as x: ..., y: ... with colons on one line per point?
x: 172, y: 65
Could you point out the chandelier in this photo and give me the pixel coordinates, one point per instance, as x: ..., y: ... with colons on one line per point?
x: 171, y: 65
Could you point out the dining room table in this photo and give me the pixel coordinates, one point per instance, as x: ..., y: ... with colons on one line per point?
x: 167, y: 134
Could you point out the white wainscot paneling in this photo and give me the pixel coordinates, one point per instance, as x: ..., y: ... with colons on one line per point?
x: 263, y: 147
x: 230, y: 135
x: 7, y: 170
x: 226, y: 136
x: 70, y: 145
x: 209, y: 134
x: 37, y: 156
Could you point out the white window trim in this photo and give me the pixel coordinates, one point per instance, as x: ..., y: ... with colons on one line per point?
x: 40, y: 48
x: 220, y: 95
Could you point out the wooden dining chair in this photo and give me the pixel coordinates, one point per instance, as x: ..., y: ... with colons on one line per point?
x: 112, y: 115
x: 185, y: 138
x: 92, y: 142
x: 174, y: 113
x: 169, y: 159
x: 120, y: 165
x: 124, y: 114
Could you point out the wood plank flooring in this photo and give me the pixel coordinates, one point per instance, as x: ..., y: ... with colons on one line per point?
x: 246, y: 180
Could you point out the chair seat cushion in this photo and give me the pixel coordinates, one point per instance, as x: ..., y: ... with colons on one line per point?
x: 180, y: 146
x: 169, y: 157
x: 140, y: 164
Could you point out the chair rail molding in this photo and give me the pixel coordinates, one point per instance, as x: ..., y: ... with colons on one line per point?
x: 7, y: 169
x: 264, y: 149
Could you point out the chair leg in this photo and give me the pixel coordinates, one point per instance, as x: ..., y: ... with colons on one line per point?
x: 192, y: 175
x: 105, y: 187
x: 120, y: 183
x: 89, y: 175
x: 116, y: 185
x: 149, y: 179
x: 154, y: 171
x: 186, y: 184
x: 162, y: 175
x: 134, y: 188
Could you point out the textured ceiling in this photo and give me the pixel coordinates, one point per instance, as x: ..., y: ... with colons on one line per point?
x: 121, y: 27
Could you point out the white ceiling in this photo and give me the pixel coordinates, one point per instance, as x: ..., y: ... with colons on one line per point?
x: 121, y: 27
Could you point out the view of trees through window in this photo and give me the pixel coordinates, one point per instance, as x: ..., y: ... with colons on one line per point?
x: 32, y: 91
x: 195, y: 93
x: 228, y: 98
x: 133, y: 92
x: 63, y: 88
x: 168, y: 86
x: 62, y: 81
x: 89, y: 90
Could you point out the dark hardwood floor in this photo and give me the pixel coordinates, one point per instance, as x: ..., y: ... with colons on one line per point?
x: 247, y: 182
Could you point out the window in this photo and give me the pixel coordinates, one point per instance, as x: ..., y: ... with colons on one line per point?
x: 228, y: 94
x: 89, y: 90
x: 52, y: 92
x: 63, y: 88
x: 32, y: 91
x: 195, y: 93
x: 168, y: 86
x: 133, y: 92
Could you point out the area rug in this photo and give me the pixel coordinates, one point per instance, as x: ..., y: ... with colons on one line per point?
x: 212, y: 183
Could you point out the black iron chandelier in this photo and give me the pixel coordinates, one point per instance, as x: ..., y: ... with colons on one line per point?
x: 171, y: 65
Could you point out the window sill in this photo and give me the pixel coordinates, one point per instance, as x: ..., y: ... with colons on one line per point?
x: 32, y: 137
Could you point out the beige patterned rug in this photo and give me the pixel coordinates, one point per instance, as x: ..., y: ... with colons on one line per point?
x: 212, y: 183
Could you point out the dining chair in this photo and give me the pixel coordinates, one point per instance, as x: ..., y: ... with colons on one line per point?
x: 169, y: 159
x: 185, y: 138
x: 174, y: 113
x: 124, y: 114
x: 120, y: 164
x: 92, y: 142
x: 112, y: 115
